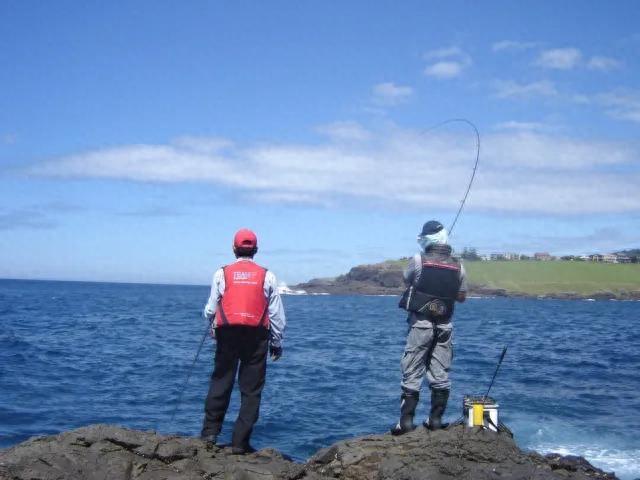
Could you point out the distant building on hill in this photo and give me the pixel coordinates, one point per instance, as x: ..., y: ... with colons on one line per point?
x: 623, y: 259
x: 604, y: 258
x: 542, y: 256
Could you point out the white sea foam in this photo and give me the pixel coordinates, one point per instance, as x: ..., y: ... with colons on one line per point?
x: 283, y: 289
x: 625, y: 463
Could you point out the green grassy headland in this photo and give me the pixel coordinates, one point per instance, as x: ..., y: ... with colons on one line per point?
x: 547, y: 278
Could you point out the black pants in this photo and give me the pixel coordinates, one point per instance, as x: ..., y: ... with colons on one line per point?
x: 247, y: 346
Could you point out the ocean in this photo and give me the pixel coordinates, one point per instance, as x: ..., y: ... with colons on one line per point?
x: 74, y: 353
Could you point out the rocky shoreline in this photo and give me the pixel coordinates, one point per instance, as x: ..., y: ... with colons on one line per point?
x: 386, y: 279
x: 111, y: 452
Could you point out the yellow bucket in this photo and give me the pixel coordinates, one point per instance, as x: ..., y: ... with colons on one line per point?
x: 478, y: 415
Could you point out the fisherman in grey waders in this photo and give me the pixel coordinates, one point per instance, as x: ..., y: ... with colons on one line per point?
x: 435, y: 281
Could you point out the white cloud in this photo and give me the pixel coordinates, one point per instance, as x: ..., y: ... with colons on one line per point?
x: 347, y: 131
x: 621, y: 104
x: 512, y: 46
x: 444, y: 69
x: 560, y: 58
x: 604, y: 64
x: 523, y: 126
x: 449, y: 62
x: 520, y: 171
x: 511, y: 89
x: 390, y: 94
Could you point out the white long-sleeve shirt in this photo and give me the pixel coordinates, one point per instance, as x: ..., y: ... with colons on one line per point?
x: 277, y: 320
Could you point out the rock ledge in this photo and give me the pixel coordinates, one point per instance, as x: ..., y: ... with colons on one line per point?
x: 110, y: 452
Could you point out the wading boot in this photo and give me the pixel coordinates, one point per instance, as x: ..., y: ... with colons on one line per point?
x: 210, y: 439
x: 439, y: 398
x: 242, y: 449
x: 409, y: 402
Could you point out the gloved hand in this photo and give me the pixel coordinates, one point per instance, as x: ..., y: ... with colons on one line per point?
x: 276, y: 352
x: 212, y: 325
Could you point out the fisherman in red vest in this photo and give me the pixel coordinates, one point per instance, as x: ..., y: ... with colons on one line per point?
x: 248, y: 321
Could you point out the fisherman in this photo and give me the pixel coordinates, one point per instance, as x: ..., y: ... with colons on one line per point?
x: 435, y: 281
x: 247, y: 320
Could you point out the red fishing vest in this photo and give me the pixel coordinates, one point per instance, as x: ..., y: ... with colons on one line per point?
x: 243, y: 301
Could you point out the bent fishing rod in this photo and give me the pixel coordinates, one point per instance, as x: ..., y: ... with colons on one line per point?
x: 475, y: 164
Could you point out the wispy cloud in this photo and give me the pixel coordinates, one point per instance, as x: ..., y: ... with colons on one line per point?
x: 512, y: 89
x: 447, y: 62
x: 513, y: 46
x: 24, y: 219
x: 346, y: 131
x: 390, y: 94
x: 446, y: 52
x: 523, y: 126
x: 599, y: 240
x: 8, y: 138
x: 560, y: 58
x: 203, y: 144
x: 154, y: 211
x: 621, y: 104
x: 521, y: 171
x: 603, y: 64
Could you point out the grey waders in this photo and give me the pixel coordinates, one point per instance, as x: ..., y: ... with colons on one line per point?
x: 409, y: 402
x: 439, y: 398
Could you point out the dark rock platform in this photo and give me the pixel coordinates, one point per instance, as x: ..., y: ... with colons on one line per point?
x: 108, y: 452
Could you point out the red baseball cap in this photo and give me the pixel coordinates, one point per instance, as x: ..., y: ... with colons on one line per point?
x: 245, y: 238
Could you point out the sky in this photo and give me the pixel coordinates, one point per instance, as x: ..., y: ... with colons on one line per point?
x: 137, y: 137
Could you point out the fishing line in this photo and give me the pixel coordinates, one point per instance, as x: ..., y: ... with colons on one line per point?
x: 184, y: 387
x: 475, y: 165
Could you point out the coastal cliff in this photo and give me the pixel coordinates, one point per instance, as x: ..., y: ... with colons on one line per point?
x: 110, y: 452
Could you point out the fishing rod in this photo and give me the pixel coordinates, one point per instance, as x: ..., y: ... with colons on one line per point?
x: 475, y: 165
x: 504, y: 352
x: 184, y: 387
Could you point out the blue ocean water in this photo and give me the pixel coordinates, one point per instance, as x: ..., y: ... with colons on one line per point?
x: 72, y: 354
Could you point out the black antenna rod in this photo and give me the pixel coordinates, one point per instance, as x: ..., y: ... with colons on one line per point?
x: 504, y: 352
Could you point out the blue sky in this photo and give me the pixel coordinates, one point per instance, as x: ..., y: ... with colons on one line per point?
x: 136, y: 137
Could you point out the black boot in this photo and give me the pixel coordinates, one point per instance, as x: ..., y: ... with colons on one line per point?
x: 243, y: 450
x: 439, y: 398
x: 210, y: 439
x: 409, y: 402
